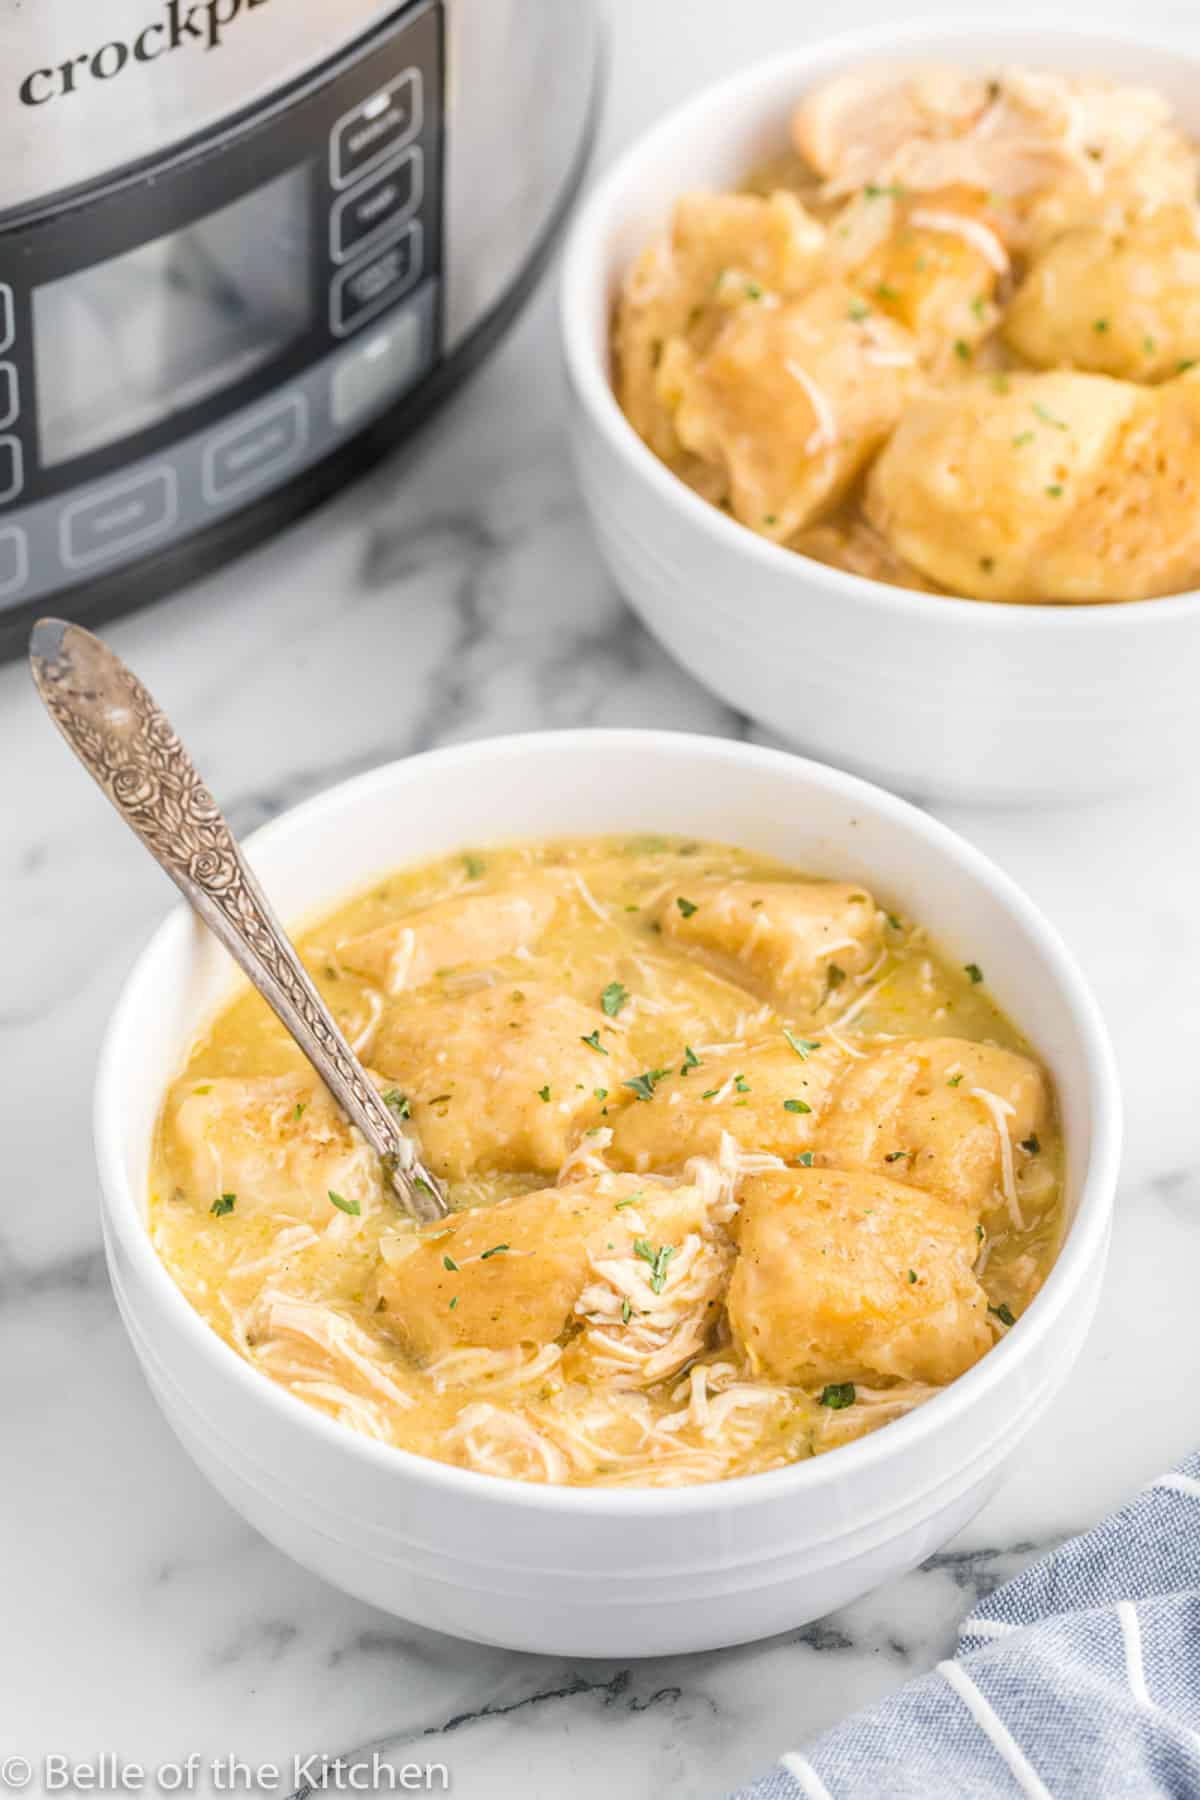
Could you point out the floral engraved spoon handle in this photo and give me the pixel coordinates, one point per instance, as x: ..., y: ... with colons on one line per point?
x: 129, y: 746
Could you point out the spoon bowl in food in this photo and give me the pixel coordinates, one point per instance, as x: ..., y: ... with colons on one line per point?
x: 547, y: 1563
x: 1026, y: 438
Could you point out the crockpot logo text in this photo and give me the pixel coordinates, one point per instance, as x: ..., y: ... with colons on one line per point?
x: 202, y: 22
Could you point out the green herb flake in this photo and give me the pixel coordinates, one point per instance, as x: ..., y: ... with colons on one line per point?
x: 1184, y: 364
x: 626, y: 1312
x: 1032, y: 1144
x: 543, y: 1093
x: 912, y: 1277
x: 979, y: 1234
x: 657, y: 1259
x: 710, y: 1093
x: 1022, y: 438
x: 741, y: 1085
x: 837, y: 1395
x: 897, y: 1155
x: 1149, y: 346
x: 753, y: 291
x: 954, y: 1080
x: 397, y: 1103
x: 975, y: 973
x: 448, y: 1262
x: 886, y: 291
x: 686, y: 907
x: 474, y: 865
x: 207, y: 1089
x: 770, y: 519
x: 1003, y: 1312
x: 962, y: 349
x: 893, y: 191
x: 644, y: 1085
x: 496, y: 1250
x: 592, y: 1040
x: 453, y: 1303
x: 600, y: 1093
x: 690, y: 1060
x: 803, y: 1047
x: 299, y: 1112
x: 894, y: 922
x: 1055, y: 490
x: 857, y: 312
x: 796, y: 1106
x: 805, y: 1159
x: 979, y: 306
x: 224, y: 1204
x: 347, y: 1206
x: 613, y: 998
x: 1048, y: 417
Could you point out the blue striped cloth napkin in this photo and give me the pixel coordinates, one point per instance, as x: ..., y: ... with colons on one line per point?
x: 1079, y: 1679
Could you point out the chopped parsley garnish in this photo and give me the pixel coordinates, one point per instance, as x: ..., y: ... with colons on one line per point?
x: 1149, y: 346
x: 686, y: 907
x: 797, y: 1106
x: 753, y: 291
x: 898, y: 1155
x: 496, y: 1250
x: 770, y: 519
x: 710, y: 1093
x: 474, y: 865
x: 886, y: 291
x: 544, y: 1092
x: 592, y: 1040
x: 837, y: 1395
x: 203, y: 1090
x: 858, y: 312
x: 644, y: 1085
x: 1100, y: 325
x: 912, y: 1277
x: 962, y: 349
x: 613, y: 998
x: 347, y: 1206
x: 954, y: 1080
x: 1048, y: 418
x: 1003, y: 1312
x: 1022, y: 438
x: 690, y: 1060
x: 453, y: 1303
x: 979, y: 1234
x: 299, y: 1112
x: 657, y: 1259
x: 626, y: 1312
x: 979, y: 306
x: 975, y: 973
x: 892, y: 191
x: 802, y: 1046
x: 1032, y: 1143
x: 600, y: 1093
x: 894, y: 922
x: 397, y: 1103
x: 629, y: 1200
x: 448, y: 1262
x: 805, y: 1159
x: 1055, y: 490
x: 225, y: 1203
x: 741, y: 1085
x: 1185, y: 363
x: 417, y: 1183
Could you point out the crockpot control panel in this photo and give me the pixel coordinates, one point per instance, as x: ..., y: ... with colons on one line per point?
x: 175, y: 344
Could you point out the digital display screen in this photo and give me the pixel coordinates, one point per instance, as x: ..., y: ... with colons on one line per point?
x: 125, y: 343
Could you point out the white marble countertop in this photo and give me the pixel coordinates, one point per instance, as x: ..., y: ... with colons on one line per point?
x: 457, y: 594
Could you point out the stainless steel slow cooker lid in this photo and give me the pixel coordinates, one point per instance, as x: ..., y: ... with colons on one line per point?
x: 88, y: 89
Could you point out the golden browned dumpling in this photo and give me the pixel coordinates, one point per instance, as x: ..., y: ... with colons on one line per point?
x: 980, y: 480
x: 1124, y: 303
x: 722, y: 249
x: 504, y: 1078
x: 768, y: 1096
x: 936, y: 271
x: 791, y: 401
x: 850, y: 1277
x: 794, y: 941
x: 271, y: 1144
x: 1047, y: 487
x: 511, y: 1273
x: 471, y: 928
x: 959, y: 1119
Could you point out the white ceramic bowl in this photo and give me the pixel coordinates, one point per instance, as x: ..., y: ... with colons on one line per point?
x: 596, y: 1572
x: 929, y: 695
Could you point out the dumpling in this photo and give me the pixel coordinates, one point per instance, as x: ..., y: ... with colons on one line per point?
x: 1123, y: 303
x: 274, y: 1143
x: 793, y: 941
x: 791, y: 401
x: 471, y: 928
x: 768, y: 1096
x: 1047, y: 487
x: 930, y: 1112
x: 851, y: 1277
x: 511, y: 1273
x: 504, y: 1078
x: 721, y: 249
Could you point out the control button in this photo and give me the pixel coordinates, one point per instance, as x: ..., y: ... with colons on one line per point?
x: 362, y: 291
x: 128, y: 513
x: 14, y: 559
x: 376, y: 127
x: 8, y: 327
x: 252, y: 451
x: 377, y: 369
x: 366, y: 214
x: 12, y: 472
x: 9, y: 401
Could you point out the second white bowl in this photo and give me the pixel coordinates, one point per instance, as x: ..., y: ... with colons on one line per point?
x: 934, y: 696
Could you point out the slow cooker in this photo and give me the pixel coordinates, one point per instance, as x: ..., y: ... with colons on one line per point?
x: 245, y: 245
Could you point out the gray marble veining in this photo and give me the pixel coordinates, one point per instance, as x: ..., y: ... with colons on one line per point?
x: 454, y: 594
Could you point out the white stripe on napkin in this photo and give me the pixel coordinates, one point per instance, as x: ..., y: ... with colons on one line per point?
x: 801, y: 1770
x: 1179, y: 1484
x: 995, y: 1730
x: 1131, y: 1632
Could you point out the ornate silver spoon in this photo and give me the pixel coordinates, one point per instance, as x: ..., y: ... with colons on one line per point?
x: 129, y: 746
